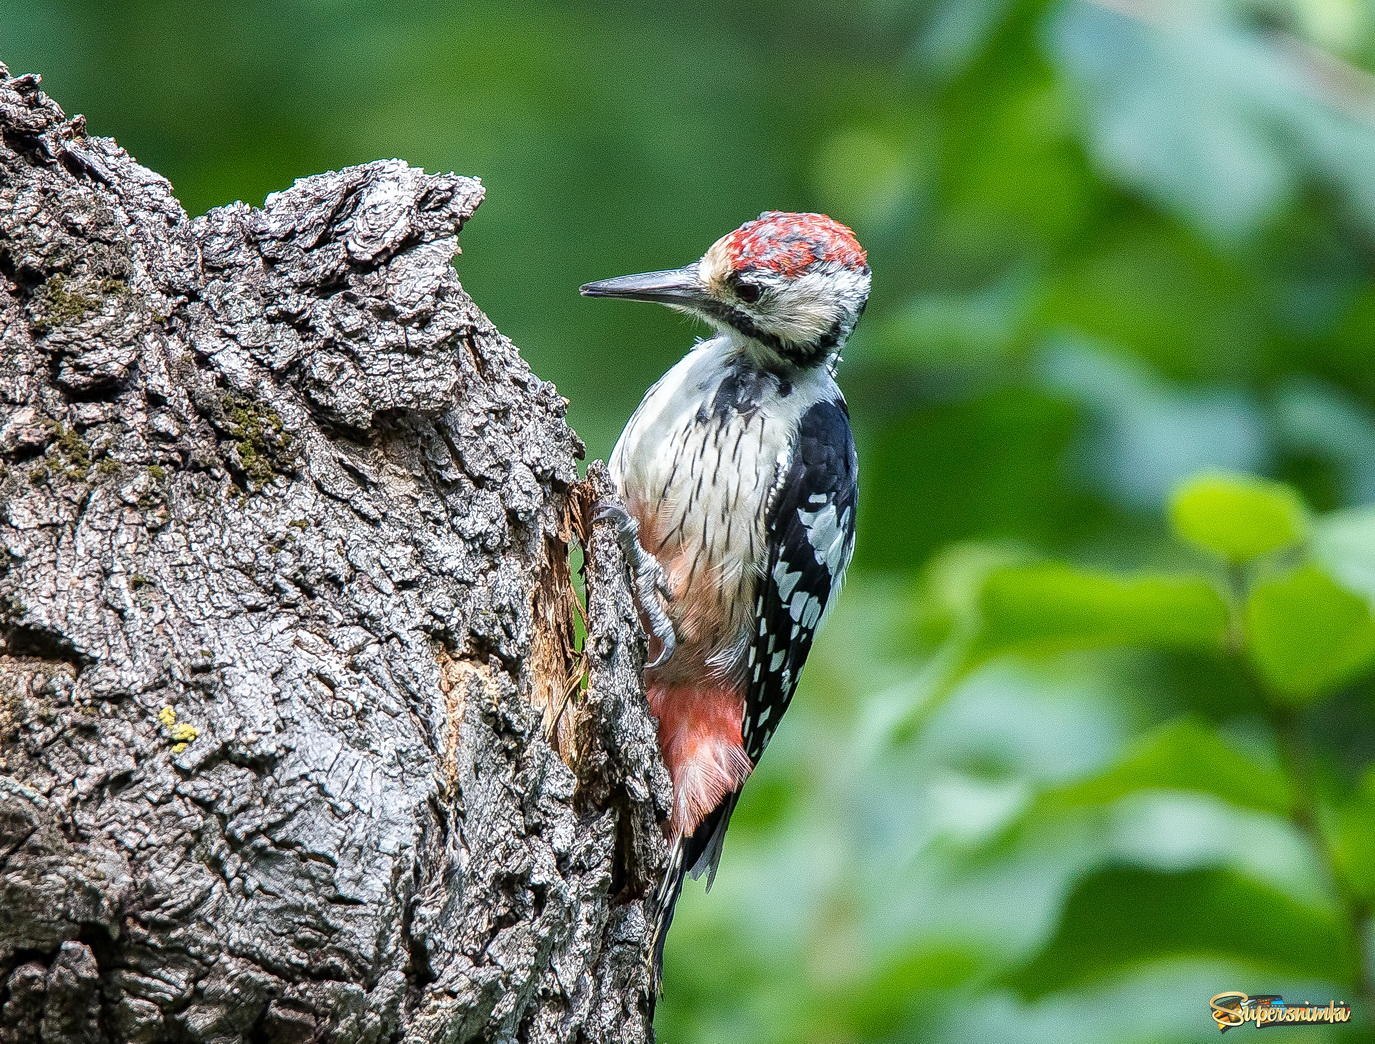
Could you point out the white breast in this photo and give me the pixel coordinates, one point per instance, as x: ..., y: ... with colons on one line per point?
x: 698, y: 479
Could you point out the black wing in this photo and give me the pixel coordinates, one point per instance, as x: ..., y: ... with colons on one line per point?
x: 810, y: 534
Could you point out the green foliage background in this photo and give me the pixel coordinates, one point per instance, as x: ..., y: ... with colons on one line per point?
x: 1089, y: 738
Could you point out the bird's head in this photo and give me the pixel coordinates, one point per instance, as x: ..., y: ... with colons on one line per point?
x: 794, y: 285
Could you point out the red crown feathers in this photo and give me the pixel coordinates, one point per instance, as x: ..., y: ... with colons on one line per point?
x: 789, y: 244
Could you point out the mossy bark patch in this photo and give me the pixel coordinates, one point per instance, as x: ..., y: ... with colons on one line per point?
x: 262, y: 447
x: 63, y: 300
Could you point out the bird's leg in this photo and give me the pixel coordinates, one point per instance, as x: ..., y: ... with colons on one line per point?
x: 651, y: 582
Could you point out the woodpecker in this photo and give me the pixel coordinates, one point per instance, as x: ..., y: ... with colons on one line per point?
x: 738, y: 474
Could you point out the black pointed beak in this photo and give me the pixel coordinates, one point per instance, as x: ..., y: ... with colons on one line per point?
x: 679, y: 287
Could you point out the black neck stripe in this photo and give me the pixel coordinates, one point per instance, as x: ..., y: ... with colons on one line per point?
x: 797, y: 354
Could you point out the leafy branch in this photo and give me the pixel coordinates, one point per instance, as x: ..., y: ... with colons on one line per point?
x: 1285, y: 600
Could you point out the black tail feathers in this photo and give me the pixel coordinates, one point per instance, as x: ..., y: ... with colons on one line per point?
x: 697, y: 854
x: 665, y: 902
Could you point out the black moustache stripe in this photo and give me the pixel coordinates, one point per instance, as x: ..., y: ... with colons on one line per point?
x: 798, y: 354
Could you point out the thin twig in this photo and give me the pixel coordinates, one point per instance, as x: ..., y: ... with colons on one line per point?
x: 1305, y: 812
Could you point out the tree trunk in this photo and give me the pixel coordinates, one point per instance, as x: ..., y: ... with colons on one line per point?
x: 287, y: 627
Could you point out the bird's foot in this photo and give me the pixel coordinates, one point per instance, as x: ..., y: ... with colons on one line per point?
x: 651, y: 582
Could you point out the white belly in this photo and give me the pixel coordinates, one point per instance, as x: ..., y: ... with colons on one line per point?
x: 698, y: 473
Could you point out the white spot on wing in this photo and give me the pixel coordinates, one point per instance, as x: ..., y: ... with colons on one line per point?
x: 785, y: 580
x: 802, y: 607
x: 828, y: 533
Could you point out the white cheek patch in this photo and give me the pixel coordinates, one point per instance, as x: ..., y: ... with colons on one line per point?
x: 807, y: 308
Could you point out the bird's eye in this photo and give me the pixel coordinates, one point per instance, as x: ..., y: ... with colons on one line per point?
x: 748, y: 292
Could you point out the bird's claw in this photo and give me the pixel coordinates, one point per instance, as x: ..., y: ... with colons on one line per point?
x: 613, y: 512
x: 668, y: 643
x: 651, y: 582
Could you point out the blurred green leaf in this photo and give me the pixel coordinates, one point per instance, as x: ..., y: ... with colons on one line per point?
x: 1210, y: 117
x: 998, y: 443
x: 1344, y: 542
x: 1148, y: 435
x: 1238, y: 517
x: 950, y: 584
x: 1118, y: 919
x: 1188, y: 755
x: 1306, y: 633
x: 967, y: 328
x: 1352, y: 831
x: 1326, y: 423
x: 895, y: 987
x: 1052, y: 607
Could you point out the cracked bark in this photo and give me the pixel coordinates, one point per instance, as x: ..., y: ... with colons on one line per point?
x: 286, y: 626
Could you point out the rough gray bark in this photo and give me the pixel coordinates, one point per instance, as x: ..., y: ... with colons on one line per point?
x: 286, y: 624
